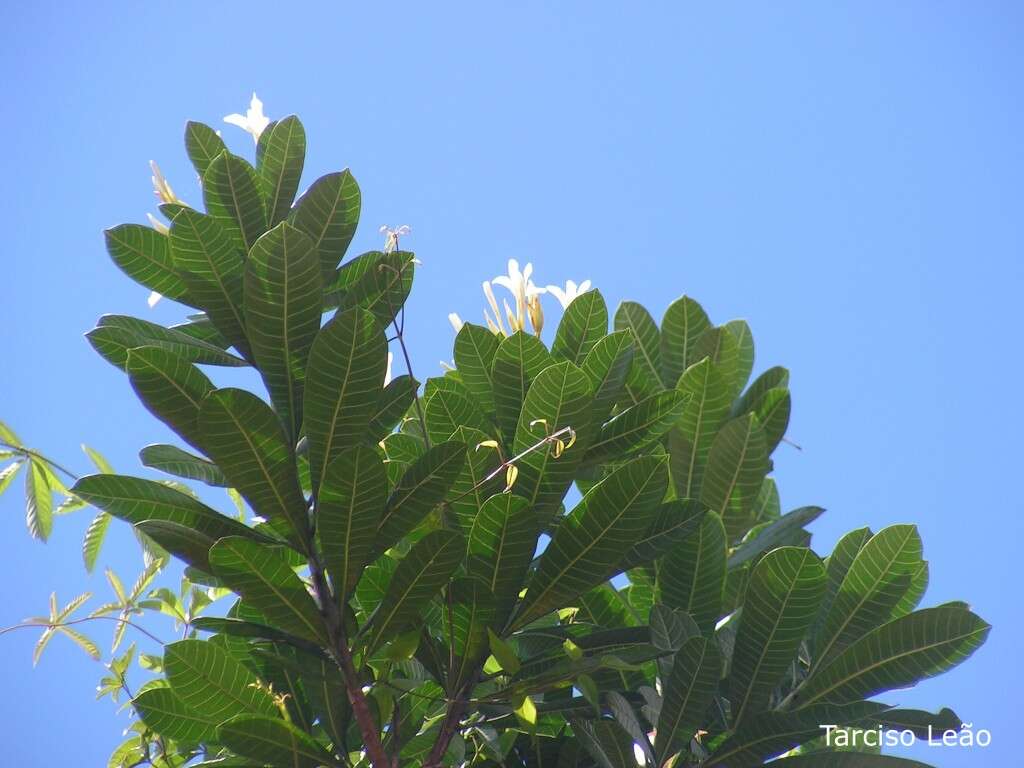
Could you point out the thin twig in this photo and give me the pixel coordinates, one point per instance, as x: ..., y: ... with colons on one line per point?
x: 57, y: 625
x: 35, y: 454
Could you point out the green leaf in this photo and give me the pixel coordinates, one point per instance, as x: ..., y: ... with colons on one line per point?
x: 912, y: 597
x: 244, y: 437
x: 144, y: 255
x: 773, y: 535
x: 263, y: 576
x: 504, y: 654
x: 744, y: 352
x: 280, y: 166
x: 38, y: 501
x: 114, y: 335
x: 645, y: 374
x: 171, y: 389
x: 772, y: 410
x: 783, y: 595
x: 836, y: 567
x: 924, y: 725
x: 344, y: 380
x: 671, y: 629
x: 683, y: 323
x: 672, y: 523
x: 203, y: 145
x: 770, y: 733
x: 271, y: 741
x: 212, y: 684
x: 422, y: 487
x: 502, y: 541
x: 897, y: 654
x: 161, y: 710
x: 606, y: 742
x: 471, y: 488
x: 379, y: 283
x: 607, y: 366
x: 136, y: 500
x: 692, y: 577
x: 348, y: 511
x: 589, y: 542
x: 639, y: 426
x: 175, y: 461
x: 231, y: 193
x: 7, y: 475
x: 93, y: 541
x: 419, y: 577
x: 878, y: 577
x: 584, y: 323
x: 392, y: 404
x: 283, y: 300
x: 721, y: 346
x: 705, y: 412
x: 776, y: 377
x: 518, y: 360
x: 328, y: 212
x: 559, y: 397
x: 475, y: 348
x: 446, y: 411
x: 688, y: 692
x: 212, y: 268
x: 737, y: 464
x: 472, y: 612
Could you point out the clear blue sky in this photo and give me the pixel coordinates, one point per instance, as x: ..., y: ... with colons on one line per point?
x: 846, y: 176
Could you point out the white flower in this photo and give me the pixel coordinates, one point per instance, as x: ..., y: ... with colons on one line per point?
x: 571, y: 291
x: 161, y: 188
x: 387, y: 373
x: 494, y: 324
x: 522, y: 289
x: 253, y: 122
x: 391, y: 236
x: 456, y: 321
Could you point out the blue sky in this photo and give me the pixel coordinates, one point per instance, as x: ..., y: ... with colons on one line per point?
x: 845, y: 176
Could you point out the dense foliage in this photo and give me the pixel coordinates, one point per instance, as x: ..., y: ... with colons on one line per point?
x: 551, y: 556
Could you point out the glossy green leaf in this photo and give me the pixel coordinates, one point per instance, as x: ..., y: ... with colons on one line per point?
x: 348, y: 512
x: 898, y: 654
x: 608, y: 744
x: 114, y: 335
x: 379, y: 283
x: 705, y: 412
x: 688, y: 692
x: 171, y: 389
x: 244, y: 437
x: 773, y: 535
x: 328, y: 212
x: 344, y: 379
x: 144, y: 255
x: 175, y: 461
x: 231, y: 192
x: 393, y: 403
x: 419, y: 577
x: 673, y: 521
x: 721, y: 346
x: 212, y: 267
x: 692, y: 576
x: 280, y: 166
x: 559, y: 397
x: 737, y: 464
x: 770, y: 733
x: 744, y: 352
x: 784, y: 593
x: 263, y: 576
x: 583, y: 324
x: 639, y: 426
x: 273, y: 742
x: 683, y: 323
x: 644, y: 376
x: 518, y: 360
x: 283, y: 305
x: 502, y: 542
x: 471, y: 613
x: 161, y: 710
x: 772, y: 410
x: 203, y: 145
x: 776, y: 377
x: 471, y: 487
x: 421, y: 488
x: 607, y: 365
x: 475, y: 348
x: 589, y: 542
x: 209, y: 682
x: 872, y: 587
x: 446, y: 411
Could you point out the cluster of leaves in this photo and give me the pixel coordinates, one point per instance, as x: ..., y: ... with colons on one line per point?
x: 567, y: 556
